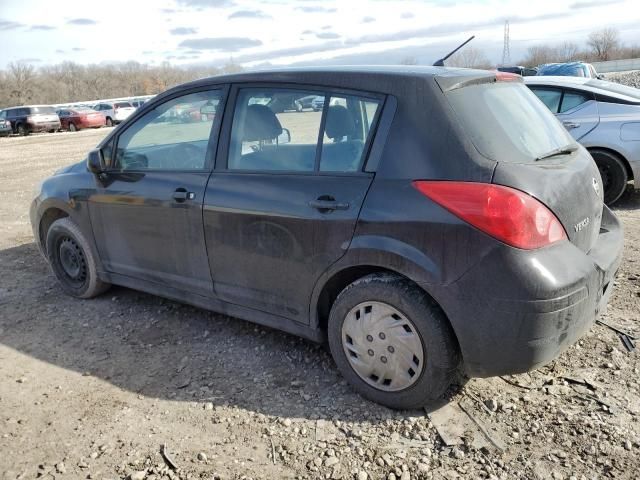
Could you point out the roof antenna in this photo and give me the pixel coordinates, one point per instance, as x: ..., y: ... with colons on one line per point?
x: 440, y: 63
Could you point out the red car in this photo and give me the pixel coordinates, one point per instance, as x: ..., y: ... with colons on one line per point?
x: 73, y: 119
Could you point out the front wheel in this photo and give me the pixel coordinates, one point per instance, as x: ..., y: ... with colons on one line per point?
x: 614, y: 175
x: 72, y: 260
x: 109, y: 122
x: 392, y: 342
x: 22, y: 130
x: 72, y: 127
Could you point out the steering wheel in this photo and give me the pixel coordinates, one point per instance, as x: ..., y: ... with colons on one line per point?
x: 186, y: 156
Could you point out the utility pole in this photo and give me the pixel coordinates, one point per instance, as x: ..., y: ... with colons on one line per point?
x: 506, y: 54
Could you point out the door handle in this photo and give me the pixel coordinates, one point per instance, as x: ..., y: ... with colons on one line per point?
x: 181, y: 194
x: 570, y: 125
x: 328, y: 205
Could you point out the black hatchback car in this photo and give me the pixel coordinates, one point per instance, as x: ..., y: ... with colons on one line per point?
x: 426, y: 220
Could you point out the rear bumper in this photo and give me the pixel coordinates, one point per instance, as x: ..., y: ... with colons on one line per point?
x: 43, y: 126
x: 517, y: 310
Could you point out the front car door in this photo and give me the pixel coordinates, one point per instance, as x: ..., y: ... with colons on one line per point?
x: 147, y: 210
x: 283, y: 202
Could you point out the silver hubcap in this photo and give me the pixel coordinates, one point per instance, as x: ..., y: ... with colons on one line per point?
x: 382, y: 346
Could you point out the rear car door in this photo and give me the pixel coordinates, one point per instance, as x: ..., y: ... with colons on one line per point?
x: 147, y: 210
x: 578, y: 111
x: 283, y: 201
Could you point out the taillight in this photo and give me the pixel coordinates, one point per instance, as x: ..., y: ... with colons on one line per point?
x: 511, y: 216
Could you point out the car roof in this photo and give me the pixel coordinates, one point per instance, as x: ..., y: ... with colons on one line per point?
x: 602, y: 87
x: 28, y: 106
x: 381, y: 78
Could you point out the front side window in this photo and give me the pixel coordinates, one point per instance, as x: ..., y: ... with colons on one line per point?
x: 274, y: 130
x: 172, y: 136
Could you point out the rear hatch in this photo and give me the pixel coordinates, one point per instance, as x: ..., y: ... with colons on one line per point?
x: 534, y: 153
x: 43, y: 115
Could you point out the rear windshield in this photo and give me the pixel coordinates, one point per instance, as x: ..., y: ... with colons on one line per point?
x: 507, y: 122
x: 122, y: 105
x: 43, y: 110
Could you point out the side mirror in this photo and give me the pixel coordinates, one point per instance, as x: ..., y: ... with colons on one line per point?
x: 95, y: 162
x: 284, y: 137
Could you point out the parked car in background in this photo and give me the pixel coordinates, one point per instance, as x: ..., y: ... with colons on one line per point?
x: 77, y: 118
x: 355, y: 229
x: 602, y: 116
x: 32, y: 118
x: 520, y: 70
x: 114, y: 112
x: 317, y: 103
x: 5, y: 125
x: 568, y: 69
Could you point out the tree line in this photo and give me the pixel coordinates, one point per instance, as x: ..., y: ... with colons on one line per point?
x: 22, y: 84
x: 601, y: 45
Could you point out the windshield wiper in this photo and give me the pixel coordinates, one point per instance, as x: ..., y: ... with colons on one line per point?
x: 558, y: 151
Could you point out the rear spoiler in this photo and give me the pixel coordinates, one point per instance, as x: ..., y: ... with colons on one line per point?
x: 475, y: 77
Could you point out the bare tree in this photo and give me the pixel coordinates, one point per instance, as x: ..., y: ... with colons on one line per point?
x: 469, y: 57
x: 604, y: 43
x: 22, y: 82
x: 568, y: 52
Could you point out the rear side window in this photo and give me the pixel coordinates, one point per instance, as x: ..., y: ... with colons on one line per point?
x: 122, y: 105
x: 507, y: 123
x: 274, y: 131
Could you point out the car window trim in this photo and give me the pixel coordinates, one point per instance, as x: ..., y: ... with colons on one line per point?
x: 213, y: 134
x: 554, y: 88
x: 222, y: 157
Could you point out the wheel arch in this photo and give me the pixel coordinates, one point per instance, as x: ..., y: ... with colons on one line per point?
x: 47, y: 218
x: 616, y: 153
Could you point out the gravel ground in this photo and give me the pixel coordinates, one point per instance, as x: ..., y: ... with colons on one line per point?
x: 631, y: 79
x: 95, y: 389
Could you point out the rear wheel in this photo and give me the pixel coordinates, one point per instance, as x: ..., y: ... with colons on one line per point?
x: 72, y: 260
x: 392, y: 342
x: 23, y: 130
x: 72, y: 127
x: 109, y: 122
x: 614, y: 174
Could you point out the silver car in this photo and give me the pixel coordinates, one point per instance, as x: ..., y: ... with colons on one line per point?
x: 605, y: 118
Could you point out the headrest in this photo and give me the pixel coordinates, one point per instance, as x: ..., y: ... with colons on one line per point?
x: 339, y: 122
x: 260, y: 123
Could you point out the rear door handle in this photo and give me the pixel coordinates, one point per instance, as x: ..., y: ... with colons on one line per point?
x: 570, y: 125
x: 328, y: 205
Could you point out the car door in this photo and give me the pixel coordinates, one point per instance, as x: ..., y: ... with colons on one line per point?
x: 147, y: 209
x: 283, y: 201
x: 578, y: 112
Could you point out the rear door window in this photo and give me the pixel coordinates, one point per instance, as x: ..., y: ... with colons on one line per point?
x: 571, y: 99
x: 550, y: 97
x: 507, y: 123
x: 347, y: 128
x: 271, y: 132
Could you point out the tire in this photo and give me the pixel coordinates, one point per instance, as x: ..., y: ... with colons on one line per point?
x: 109, y: 122
x: 72, y: 260
x: 22, y: 130
x: 72, y: 127
x: 298, y: 106
x: 613, y: 172
x: 433, y: 342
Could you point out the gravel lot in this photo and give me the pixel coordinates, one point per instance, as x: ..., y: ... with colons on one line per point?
x: 94, y: 389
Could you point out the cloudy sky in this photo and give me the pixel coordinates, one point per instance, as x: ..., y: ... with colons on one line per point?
x: 281, y: 32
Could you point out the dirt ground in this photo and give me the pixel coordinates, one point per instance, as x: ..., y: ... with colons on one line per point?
x: 95, y: 388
